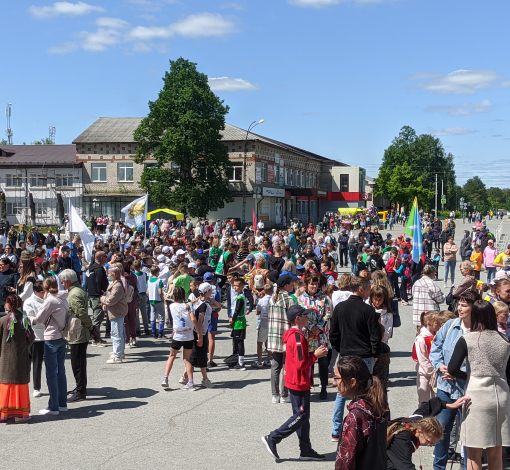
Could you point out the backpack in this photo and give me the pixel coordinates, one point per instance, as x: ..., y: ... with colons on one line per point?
x: 373, y: 265
x: 130, y: 293
x: 353, y: 251
x: 71, y: 330
x: 333, y: 241
x: 407, y: 272
x: 258, y: 281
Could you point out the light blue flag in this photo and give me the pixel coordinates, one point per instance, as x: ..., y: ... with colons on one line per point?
x: 417, y: 238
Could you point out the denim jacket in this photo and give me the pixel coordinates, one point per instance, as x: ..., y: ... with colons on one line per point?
x: 440, y: 355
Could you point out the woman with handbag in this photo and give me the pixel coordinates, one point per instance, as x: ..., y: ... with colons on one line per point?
x: 114, y: 301
x: 449, y: 388
x: 53, y: 314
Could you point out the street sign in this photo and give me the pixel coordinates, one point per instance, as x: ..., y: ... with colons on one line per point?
x: 443, y: 201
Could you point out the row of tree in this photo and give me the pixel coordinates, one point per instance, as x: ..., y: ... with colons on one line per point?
x: 409, y: 168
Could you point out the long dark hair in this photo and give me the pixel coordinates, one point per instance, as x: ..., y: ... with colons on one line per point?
x: 483, y: 316
x: 368, y: 387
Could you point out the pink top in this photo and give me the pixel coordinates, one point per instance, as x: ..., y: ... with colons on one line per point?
x: 489, y: 255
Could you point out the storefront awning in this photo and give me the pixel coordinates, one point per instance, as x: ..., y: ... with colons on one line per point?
x: 302, y: 192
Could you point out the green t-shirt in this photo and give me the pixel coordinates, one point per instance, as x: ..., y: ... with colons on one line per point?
x: 184, y: 282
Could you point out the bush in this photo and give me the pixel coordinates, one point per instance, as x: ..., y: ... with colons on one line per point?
x: 446, y: 214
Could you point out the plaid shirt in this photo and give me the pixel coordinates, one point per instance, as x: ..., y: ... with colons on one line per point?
x: 427, y: 296
x: 278, y: 323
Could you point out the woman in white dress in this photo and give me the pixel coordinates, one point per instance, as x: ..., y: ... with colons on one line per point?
x: 486, y: 420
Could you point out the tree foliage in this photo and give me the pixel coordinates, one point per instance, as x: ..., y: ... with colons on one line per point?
x: 182, y: 132
x: 409, y: 169
x: 476, y: 193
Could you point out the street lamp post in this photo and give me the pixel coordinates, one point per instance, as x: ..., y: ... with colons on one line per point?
x: 252, y: 125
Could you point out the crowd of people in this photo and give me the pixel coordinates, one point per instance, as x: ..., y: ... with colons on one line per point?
x: 172, y: 279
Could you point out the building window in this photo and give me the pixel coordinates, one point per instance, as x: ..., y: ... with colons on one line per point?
x: 291, y: 177
x: 314, y: 183
x: 263, y: 173
x: 14, y: 180
x: 151, y: 165
x: 98, y: 172
x: 344, y: 183
x: 298, y: 180
x: 41, y: 209
x: 125, y: 172
x: 39, y: 181
x: 236, y: 174
x: 303, y: 179
x: 65, y: 180
x: 14, y: 208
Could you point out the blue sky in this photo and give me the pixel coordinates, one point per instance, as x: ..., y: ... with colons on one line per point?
x: 336, y: 77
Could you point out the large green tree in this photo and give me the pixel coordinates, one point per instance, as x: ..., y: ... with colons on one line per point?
x: 411, y: 162
x: 182, y: 132
x: 475, y: 192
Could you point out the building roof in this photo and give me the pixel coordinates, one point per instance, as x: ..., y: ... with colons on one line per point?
x: 118, y: 130
x: 38, y: 155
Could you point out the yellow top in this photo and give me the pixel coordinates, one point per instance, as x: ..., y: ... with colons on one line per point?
x: 477, y: 258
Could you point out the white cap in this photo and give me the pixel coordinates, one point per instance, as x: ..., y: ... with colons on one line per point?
x: 192, y: 265
x: 161, y: 258
x: 204, y: 287
x: 165, y: 249
x: 180, y: 252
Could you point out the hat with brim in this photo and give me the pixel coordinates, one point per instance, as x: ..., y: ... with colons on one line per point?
x: 284, y: 280
x: 295, y: 311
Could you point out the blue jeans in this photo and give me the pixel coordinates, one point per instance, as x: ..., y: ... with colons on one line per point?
x: 118, y: 336
x: 54, y: 360
x: 449, y: 266
x: 354, y: 263
x: 446, y: 418
x: 338, y: 414
x: 48, y: 252
x: 158, y: 314
x: 491, y: 272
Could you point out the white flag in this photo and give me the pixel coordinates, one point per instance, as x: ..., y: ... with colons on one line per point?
x: 136, y: 212
x: 77, y: 225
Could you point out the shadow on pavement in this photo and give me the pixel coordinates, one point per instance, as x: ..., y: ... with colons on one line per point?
x: 330, y: 457
x: 401, y: 354
x: 238, y: 384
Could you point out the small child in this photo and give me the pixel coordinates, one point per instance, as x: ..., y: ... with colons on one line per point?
x: 435, y: 262
x: 360, y: 265
x: 405, y: 435
x: 363, y: 440
x: 155, y: 291
x: 421, y: 351
x: 263, y: 326
x: 477, y: 258
x: 298, y: 374
x: 405, y: 275
x: 141, y: 307
x: 184, y: 279
x: 238, y: 322
x: 501, y: 316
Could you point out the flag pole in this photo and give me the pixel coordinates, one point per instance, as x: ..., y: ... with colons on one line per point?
x: 145, y: 219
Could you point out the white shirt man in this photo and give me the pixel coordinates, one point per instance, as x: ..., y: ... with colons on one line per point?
x: 260, y: 225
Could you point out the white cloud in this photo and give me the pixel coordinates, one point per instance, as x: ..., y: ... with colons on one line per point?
x: 232, y: 6
x: 99, y: 40
x: 327, y: 3
x: 66, y: 48
x: 465, y: 82
x: 231, y: 84
x: 64, y: 8
x: 114, y: 23
x: 452, y: 131
x: 464, y: 109
x: 201, y: 24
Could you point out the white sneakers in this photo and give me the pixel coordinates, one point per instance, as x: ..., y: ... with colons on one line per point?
x: 48, y: 412
x: 114, y: 360
x: 285, y: 400
x: 37, y: 394
x: 276, y: 399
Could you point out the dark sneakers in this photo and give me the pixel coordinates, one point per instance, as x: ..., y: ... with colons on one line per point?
x: 270, y: 446
x: 311, y: 455
x: 323, y: 395
x: 77, y: 397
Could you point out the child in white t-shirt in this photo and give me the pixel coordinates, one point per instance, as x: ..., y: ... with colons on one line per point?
x: 263, y: 326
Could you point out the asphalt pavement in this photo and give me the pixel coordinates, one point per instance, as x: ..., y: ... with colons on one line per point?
x: 129, y: 421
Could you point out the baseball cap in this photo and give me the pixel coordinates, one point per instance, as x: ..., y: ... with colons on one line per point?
x: 388, y: 236
x: 284, y: 280
x: 344, y: 230
x: 204, y: 287
x: 297, y: 311
x: 161, y: 258
x: 165, y: 249
x: 400, y: 237
x: 405, y: 256
x: 192, y: 265
x: 408, y: 239
x: 202, y: 258
x: 208, y: 277
x: 127, y: 245
x: 180, y: 252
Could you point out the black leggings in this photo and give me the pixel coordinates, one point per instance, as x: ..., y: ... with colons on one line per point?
x: 393, y: 280
x: 403, y: 290
x: 37, y: 352
x: 239, y: 346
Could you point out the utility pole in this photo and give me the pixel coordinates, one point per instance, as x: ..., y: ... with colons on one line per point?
x: 442, y: 195
x: 435, y: 210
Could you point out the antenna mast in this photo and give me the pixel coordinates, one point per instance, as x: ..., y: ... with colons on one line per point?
x: 53, y: 130
x: 9, y: 131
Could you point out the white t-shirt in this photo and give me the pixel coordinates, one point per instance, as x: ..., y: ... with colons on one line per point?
x: 207, y: 315
x: 182, y: 324
x: 263, y: 308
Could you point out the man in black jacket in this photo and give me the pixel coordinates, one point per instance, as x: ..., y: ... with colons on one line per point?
x: 428, y: 237
x: 97, y: 285
x: 354, y: 331
x: 202, y: 266
x: 51, y: 243
x: 343, y: 241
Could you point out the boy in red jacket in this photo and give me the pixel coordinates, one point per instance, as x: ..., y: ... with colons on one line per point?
x: 298, y: 373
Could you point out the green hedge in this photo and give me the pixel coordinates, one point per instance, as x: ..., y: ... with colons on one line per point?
x: 446, y: 214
